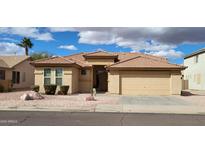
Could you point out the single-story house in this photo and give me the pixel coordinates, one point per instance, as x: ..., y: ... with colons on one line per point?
x: 195, y: 73
x: 16, y: 72
x: 114, y: 72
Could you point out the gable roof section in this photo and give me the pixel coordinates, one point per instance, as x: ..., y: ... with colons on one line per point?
x: 195, y: 53
x: 135, y: 60
x: 54, y: 61
x: 11, y: 61
x: 100, y: 54
x: 3, y: 64
x: 79, y: 59
x: 141, y: 62
x: 127, y: 55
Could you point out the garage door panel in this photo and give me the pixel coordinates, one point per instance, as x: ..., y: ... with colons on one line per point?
x: 147, y: 93
x: 145, y: 84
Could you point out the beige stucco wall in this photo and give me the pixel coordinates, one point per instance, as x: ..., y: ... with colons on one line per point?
x: 67, y: 78
x: 171, y: 82
x: 86, y: 81
x: 24, y: 67
x: 195, y: 73
x: 75, y: 80
x: 168, y: 83
x: 39, y: 78
x: 70, y: 77
x: 176, y: 83
x: 8, y: 74
x: 100, y: 61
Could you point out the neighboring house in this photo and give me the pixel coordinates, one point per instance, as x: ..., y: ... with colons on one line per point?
x: 195, y: 73
x: 16, y: 72
x: 114, y: 72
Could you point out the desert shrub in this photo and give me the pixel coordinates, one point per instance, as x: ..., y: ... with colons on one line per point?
x: 1, y: 88
x: 35, y: 88
x: 9, y: 89
x: 59, y: 93
x: 64, y: 89
x: 50, y: 89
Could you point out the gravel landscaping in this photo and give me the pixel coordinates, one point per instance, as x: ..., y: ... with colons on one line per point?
x: 12, y: 99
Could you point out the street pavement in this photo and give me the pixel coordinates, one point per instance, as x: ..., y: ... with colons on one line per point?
x: 36, y: 118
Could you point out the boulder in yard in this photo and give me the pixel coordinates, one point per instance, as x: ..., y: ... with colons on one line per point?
x: 35, y: 95
x: 31, y: 95
x: 186, y: 93
x: 25, y: 97
x: 90, y: 98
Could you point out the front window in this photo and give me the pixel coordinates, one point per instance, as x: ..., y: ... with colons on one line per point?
x: 15, y: 77
x: 59, y: 75
x: 2, y: 74
x: 47, y: 76
x: 83, y: 72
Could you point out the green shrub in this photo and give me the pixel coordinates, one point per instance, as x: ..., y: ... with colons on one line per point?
x: 35, y: 88
x: 1, y: 88
x: 9, y: 89
x: 64, y: 89
x: 50, y: 89
x: 59, y: 93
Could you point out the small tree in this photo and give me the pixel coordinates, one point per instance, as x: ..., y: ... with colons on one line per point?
x: 26, y: 44
x: 40, y: 55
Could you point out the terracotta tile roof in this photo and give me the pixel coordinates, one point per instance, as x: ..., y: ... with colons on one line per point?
x: 53, y: 60
x: 3, y: 64
x: 126, y: 59
x: 79, y: 59
x: 128, y: 55
x: 144, y: 62
x: 100, y: 53
x: 11, y: 61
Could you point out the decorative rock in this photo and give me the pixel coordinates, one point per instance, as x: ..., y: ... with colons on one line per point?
x: 25, y: 97
x: 34, y: 95
x: 186, y: 93
x: 90, y: 98
x: 31, y: 95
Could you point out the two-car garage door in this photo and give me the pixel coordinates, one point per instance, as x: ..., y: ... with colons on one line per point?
x: 145, y: 83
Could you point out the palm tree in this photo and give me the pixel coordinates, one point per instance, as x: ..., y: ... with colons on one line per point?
x: 26, y: 43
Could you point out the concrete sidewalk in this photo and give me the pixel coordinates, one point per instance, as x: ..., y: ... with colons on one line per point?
x: 120, y: 108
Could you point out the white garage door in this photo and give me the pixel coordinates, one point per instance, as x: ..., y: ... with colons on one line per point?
x: 145, y: 83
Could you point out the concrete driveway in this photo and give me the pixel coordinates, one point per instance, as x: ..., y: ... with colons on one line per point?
x: 156, y: 104
x: 152, y: 100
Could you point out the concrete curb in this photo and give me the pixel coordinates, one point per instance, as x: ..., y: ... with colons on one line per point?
x: 56, y: 109
x: 117, y: 108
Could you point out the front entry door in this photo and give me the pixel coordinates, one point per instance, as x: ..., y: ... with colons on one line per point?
x: 100, y: 78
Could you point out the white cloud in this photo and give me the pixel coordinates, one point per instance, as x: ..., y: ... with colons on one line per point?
x: 10, y: 49
x: 173, y: 54
x: 61, y: 29
x: 163, y: 40
x: 95, y: 37
x: 28, y: 32
x: 8, y: 39
x: 68, y: 47
x: 147, y: 39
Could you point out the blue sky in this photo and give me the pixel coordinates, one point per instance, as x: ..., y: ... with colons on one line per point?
x: 172, y: 43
